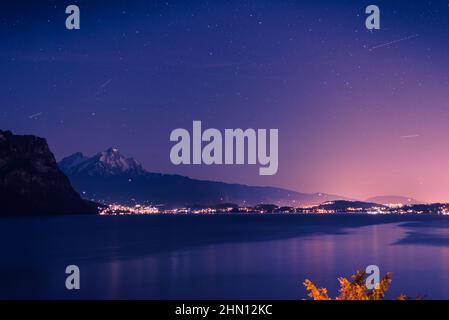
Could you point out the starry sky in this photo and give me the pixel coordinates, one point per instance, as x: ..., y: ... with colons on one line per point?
x: 360, y: 113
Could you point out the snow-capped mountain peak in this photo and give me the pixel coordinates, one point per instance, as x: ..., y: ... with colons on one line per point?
x: 106, y: 163
x: 113, y: 159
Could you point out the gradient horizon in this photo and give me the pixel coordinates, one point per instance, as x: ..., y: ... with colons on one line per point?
x: 359, y: 113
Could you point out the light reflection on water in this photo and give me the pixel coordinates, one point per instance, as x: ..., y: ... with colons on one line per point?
x: 266, y: 269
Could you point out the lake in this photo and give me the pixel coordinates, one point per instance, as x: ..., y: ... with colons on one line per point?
x: 219, y: 256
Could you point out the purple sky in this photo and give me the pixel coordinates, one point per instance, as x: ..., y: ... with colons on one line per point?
x: 359, y: 113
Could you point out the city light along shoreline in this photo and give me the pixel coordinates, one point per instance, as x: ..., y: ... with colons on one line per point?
x: 329, y: 207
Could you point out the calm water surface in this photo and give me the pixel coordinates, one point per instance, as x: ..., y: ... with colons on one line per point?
x: 219, y: 257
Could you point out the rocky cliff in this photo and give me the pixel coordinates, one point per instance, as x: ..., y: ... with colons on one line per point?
x: 31, y: 182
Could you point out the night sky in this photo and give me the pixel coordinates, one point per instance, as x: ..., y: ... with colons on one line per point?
x: 360, y: 113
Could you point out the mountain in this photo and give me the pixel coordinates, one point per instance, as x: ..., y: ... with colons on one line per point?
x: 106, y: 163
x: 31, y: 182
x: 346, y: 206
x: 111, y: 177
x: 393, y: 200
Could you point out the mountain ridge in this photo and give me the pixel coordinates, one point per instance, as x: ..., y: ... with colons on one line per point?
x: 108, y: 162
x: 109, y: 176
x: 393, y: 199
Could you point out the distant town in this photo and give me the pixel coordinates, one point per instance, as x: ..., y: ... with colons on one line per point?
x: 329, y: 207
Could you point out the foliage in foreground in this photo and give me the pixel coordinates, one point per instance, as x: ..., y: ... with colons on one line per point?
x: 354, y: 289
